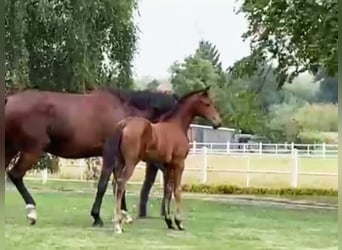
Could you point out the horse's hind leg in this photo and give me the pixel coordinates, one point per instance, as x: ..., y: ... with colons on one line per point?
x: 120, y: 189
x: 16, y: 175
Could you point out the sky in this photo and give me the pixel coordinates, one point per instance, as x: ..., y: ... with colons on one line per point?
x: 170, y: 30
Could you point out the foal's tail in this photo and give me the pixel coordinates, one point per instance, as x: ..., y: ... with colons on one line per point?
x: 111, y: 150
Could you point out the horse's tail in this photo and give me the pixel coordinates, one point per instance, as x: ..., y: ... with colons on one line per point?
x: 112, y: 155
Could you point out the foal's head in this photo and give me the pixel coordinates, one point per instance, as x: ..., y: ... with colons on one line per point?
x: 203, y: 106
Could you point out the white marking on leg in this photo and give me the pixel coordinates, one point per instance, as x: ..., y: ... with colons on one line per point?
x: 31, y: 212
x: 126, y: 216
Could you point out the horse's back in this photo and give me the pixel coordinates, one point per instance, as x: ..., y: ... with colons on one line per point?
x: 72, y: 121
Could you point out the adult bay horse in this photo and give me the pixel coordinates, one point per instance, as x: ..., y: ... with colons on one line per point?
x: 137, y: 139
x: 70, y: 126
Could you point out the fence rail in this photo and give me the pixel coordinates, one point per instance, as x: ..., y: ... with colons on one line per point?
x: 312, y: 150
x: 205, y: 150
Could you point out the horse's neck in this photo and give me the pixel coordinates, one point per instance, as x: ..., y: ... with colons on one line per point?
x: 183, y: 117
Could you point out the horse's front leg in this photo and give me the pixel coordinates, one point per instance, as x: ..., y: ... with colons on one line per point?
x: 101, y: 189
x: 167, y: 197
x: 150, y: 177
x: 179, y: 168
x: 16, y: 175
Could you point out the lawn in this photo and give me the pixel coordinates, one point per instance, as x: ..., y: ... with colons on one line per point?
x: 64, y: 223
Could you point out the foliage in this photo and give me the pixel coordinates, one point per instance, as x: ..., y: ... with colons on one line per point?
x: 318, y: 117
x: 230, y: 189
x: 282, y: 125
x: 239, y: 107
x: 328, y: 88
x: 49, y: 162
x: 152, y: 85
x: 93, y: 169
x: 62, y: 45
x: 299, y: 35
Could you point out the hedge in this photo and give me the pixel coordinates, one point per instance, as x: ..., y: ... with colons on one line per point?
x: 230, y: 189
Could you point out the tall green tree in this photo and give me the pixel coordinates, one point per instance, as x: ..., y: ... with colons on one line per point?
x: 300, y: 35
x: 62, y: 45
x: 239, y: 106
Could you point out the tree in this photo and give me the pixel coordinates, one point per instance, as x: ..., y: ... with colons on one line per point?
x: 62, y: 45
x: 301, y: 35
x: 238, y: 105
x: 328, y: 88
x: 153, y: 85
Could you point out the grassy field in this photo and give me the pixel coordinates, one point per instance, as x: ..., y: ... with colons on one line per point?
x: 222, y: 162
x: 64, y: 223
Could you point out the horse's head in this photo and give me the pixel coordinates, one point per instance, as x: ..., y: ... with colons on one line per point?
x: 204, y: 107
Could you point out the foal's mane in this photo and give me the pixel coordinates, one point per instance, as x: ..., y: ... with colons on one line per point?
x: 178, y: 105
x: 143, y: 99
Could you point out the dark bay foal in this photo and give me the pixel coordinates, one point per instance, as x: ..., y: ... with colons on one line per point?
x: 137, y: 139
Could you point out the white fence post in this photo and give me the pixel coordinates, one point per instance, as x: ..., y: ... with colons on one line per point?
x: 44, y: 173
x: 292, y: 148
x: 260, y: 148
x: 228, y: 147
x: 323, y: 149
x: 194, y: 146
x: 294, y: 173
x: 205, y: 165
x: 247, y: 172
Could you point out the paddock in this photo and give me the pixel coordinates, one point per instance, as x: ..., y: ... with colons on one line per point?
x: 64, y: 223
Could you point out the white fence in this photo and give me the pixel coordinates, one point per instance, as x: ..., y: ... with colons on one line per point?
x: 295, y: 152
x: 312, y: 150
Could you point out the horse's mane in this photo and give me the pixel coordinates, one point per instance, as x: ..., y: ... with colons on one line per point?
x: 180, y: 102
x: 143, y: 99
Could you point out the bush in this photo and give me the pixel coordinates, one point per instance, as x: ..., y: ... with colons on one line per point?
x: 318, y: 117
x: 93, y: 168
x: 311, y: 137
x: 230, y: 189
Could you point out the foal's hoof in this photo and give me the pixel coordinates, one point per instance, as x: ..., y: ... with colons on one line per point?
x: 98, y: 223
x: 179, y: 225
x: 126, y: 217
x: 118, y: 229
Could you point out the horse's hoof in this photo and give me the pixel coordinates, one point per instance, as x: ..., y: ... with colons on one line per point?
x: 31, y: 214
x: 118, y: 229
x: 98, y: 223
x: 179, y: 225
x: 169, y: 223
x: 126, y: 217
x: 32, y: 221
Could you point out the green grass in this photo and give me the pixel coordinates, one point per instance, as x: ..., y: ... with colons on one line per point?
x: 64, y: 223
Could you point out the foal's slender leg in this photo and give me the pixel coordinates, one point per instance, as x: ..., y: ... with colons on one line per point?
x: 124, y: 210
x: 120, y: 188
x: 168, y: 196
x: 16, y: 175
x: 177, y: 189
